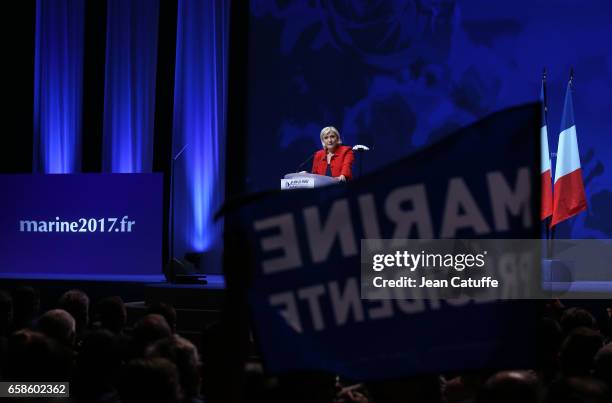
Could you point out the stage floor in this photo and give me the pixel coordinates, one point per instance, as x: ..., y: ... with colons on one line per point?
x: 147, y: 289
x: 214, y: 280
x: 84, y: 277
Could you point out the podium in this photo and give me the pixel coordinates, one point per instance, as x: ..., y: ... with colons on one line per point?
x: 306, y: 181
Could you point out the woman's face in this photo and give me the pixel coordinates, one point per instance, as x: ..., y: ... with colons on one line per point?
x: 331, y: 141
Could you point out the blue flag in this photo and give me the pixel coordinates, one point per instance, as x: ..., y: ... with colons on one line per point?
x: 295, y: 258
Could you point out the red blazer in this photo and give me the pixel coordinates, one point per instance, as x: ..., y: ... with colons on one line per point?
x: 341, y: 162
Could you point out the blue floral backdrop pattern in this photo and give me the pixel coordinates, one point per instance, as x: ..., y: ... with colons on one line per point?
x: 397, y: 75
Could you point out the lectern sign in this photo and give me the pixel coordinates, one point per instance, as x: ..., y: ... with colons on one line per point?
x: 297, y: 183
x: 305, y: 180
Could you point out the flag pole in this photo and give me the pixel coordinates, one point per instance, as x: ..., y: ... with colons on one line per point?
x: 549, y: 231
x: 545, y: 101
x: 571, y: 86
x: 545, y: 93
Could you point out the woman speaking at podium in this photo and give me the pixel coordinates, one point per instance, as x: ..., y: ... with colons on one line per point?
x: 334, y: 159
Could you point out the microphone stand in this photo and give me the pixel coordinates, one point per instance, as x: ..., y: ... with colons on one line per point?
x: 304, y: 163
x: 174, y: 159
x: 361, y: 164
x: 359, y: 148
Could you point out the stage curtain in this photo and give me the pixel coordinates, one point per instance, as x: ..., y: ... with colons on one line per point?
x: 199, y: 126
x: 58, y: 81
x: 129, y: 86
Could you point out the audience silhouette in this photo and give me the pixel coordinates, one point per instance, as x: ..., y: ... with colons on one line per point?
x: 107, y: 359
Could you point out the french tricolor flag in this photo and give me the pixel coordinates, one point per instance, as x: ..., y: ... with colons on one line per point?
x: 569, y: 197
x: 546, y: 209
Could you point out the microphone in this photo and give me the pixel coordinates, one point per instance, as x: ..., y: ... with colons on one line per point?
x: 305, y: 162
x: 360, y: 147
x: 180, y: 152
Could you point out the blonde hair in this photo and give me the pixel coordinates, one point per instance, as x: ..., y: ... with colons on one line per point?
x: 327, y: 130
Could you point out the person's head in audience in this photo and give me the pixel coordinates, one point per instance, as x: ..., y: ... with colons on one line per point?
x: 26, y: 305
x: 603, y: 364
x: 6, y: 313
x: 510, y: 387
x: 307, y: 386
x: 573, y: 318
x: 213, y: 381
x: 578, y: 390
x: 420, y: 389
x: 463, y: 386
x: 147, y: 330
x: 607, y: 317
x: 165, y: 310
x: 76, y: 302
x: 153, y: 380
x: 578, y: 351
x: 258, y: 387
x: 554, y: 309
x: 111, y: 314
x: 32, y: 356
x: 182, y: 353
x: 550, y: 338
x: 58, y: 325
x: 98, y: 364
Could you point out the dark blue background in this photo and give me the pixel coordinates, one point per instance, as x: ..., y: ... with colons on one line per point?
x: 70, y: 197
x: 398, y: 75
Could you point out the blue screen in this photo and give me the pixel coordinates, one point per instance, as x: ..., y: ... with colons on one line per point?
x: 81, y: 224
